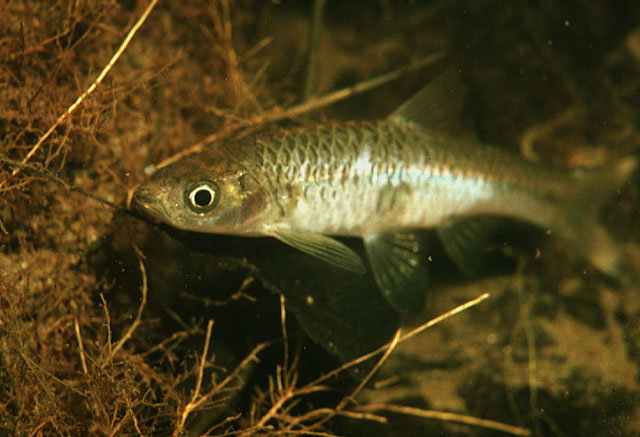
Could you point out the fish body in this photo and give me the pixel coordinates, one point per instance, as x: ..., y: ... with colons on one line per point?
x: 381, y: 182
x: 364, y: 179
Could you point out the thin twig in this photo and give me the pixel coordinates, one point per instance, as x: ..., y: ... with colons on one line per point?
x: 161, y: 346
x: 346, y: 413
x: 342, y: 404
x: 264, y: 42
x: 42, y: 172
x: 314, y: 386
x: 224, y: 30
x: 135, y: 422
x: 193, y: 403
x: 314, y: 40
x: 449, y: 417
x: 203, y: 360
x: 36, y: 366
x: 143, y: 290
x: 92, y: 87
x: 289, y: 393
x: 402, y: 338
x: 36, y: 430
x: 372, y: 372
x: 530, y: 336
x: 269, y: 431
x: 444, y: 316
x: 283, y: 323
x: 313, y: 104
x: 108, y: 317
x: 253, y: 356
x: 39, y: 46
x: 80, y: 346
x: 342, y: 94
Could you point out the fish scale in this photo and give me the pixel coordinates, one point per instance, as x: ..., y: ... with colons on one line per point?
x: 331, y: 179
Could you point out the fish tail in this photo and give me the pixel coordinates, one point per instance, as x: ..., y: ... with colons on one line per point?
x: 579, y: 221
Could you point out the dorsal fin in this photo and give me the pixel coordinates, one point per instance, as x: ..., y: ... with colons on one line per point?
x: 437, y: 106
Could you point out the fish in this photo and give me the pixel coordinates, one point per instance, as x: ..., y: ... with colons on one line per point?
x: 383, y: 182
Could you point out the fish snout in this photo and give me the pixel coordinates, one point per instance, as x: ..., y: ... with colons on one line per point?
x: 142, y: 197
x: 145, y: 201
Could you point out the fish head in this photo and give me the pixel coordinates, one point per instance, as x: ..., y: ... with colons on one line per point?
x: 204, y: 194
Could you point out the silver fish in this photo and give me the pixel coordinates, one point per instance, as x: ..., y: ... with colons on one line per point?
x: 381, y: 182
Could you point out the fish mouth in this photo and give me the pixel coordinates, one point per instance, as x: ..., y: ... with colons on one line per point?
x: 142, y: 198
x: 146, y: 202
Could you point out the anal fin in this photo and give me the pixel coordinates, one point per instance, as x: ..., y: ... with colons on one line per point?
x: 399, y: 269
x: 465, y: 240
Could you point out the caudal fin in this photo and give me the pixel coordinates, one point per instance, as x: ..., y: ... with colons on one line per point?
x: 580, y: 225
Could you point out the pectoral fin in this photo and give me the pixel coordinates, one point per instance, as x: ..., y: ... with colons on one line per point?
x: 399, y: 269
x: 320, y: 246
x: 465, y: 240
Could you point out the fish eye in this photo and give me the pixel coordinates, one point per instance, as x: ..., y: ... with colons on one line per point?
x: 203, y: 197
